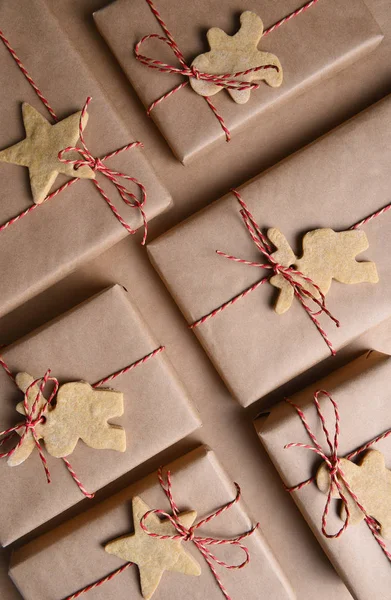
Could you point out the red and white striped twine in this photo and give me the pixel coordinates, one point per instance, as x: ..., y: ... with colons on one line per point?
x: 34, y: 417
x: 289, y: 273
x: 27, y: 76
x: 188, y: 535
x: 294, y: 14
x: 96, y: 164
x: 229, y: 81
x: 333, y: 463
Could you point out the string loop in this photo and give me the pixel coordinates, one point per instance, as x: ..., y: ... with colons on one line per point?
x: 338, y: 481
x: 229, y: 81
x: 98, y: 165
x: 294, y: 277
x: 35, y: 414
x: 189, y: 534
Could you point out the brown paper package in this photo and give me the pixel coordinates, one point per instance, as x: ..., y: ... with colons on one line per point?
x: 361, y: 390
x: 313, y: 46
x: 335, y: 183
x: 77, y: 225
x: 75, y: 551
x: 92, y: 341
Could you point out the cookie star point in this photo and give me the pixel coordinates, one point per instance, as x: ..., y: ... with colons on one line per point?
x: 39, y: 150
x: 153, y: 556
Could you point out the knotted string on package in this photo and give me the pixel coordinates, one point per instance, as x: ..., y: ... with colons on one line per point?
x: 304, y: 288
x: 185, y: 534
x: 35, y: 414
x: 87, y: 159
x: 229, y: 81
x: 332, y: 460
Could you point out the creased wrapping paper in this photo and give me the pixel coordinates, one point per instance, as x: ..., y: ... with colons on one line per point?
x: 313, y: 46
x: 361, y: 390
x: 335, y: 182
x: 77, y: 225
x: 75, y: 550
x: 92, y: 341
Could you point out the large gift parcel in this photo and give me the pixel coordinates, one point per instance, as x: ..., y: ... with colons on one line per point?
x: 207, y: 70
x: 294, y: 264
x: 331, y: 444
x: 84, y: 399
x: 183, y: 532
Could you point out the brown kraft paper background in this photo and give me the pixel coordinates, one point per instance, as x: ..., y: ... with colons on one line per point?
x: 75, y: 553
x: 226, y: 426
x: 77, y: 225
x: 361, y: 390
x: 313, y: 46
x: 333, y: 183
x: 92, y: 341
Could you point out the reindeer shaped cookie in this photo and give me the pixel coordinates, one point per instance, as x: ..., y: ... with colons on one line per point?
x: 327, y: 255
x: 370, y: 480
x: 233, y: 54
x: 81, y: 412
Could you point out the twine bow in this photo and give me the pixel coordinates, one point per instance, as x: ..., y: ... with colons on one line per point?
x: 290, y: 274
x: 189, y: 534
x: 338, y: 481
x: 97, y: 165
x: 226, y: 80
x: 33, y: 416
x: 185, y: 535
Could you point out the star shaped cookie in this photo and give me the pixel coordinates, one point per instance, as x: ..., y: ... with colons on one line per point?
x: 39, y: 150
x: 152, y: 555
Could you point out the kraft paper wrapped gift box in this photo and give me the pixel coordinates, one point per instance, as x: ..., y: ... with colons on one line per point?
x: 75, y: 551
x: 362, y: 392
x: 311, y: 47
x: 92, y: 341
x: 335, y: 182
x: 76, y: 225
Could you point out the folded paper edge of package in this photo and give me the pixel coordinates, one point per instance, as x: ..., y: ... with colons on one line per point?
x: 270, y: 425
x: 37, y: 548
x: 185, y: 152
x: 181, y: 399
x: 366, y: 362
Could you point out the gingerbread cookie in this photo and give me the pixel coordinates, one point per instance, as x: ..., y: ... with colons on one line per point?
x: 81, y: 412
x: 370, y: 481
x: 152, y: 555
x: 327, y: 255
x: 234, y: 54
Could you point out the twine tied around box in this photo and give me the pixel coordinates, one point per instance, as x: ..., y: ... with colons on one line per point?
x: 332, y: 461
x: 294, y: 277
x: 35, y: 415
x: 225, y: 80
x: 188, y: 535
x: 87, y: 159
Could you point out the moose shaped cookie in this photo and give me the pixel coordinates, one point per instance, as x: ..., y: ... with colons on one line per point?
x: 370, y: 481
x: 81, y: 412
x: 327, y: 255
x: 234, y: 54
